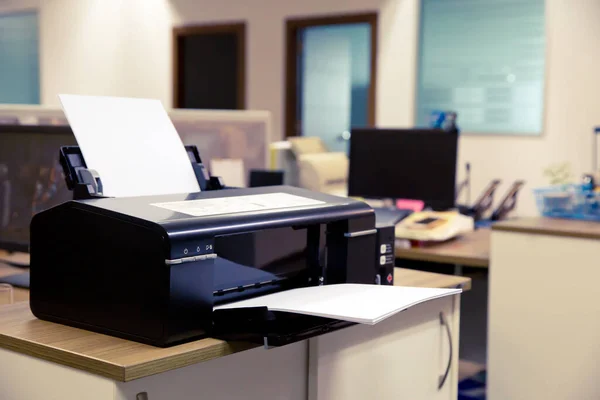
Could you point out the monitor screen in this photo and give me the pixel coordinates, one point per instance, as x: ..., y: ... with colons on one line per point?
x: 418, y: 164
x: 31, y: 178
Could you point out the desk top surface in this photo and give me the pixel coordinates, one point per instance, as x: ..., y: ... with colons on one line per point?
x: 18, y: 294
x: 18, y: 259
x: 124, y: 360
x: 469, y: 250
x: 552, y: 227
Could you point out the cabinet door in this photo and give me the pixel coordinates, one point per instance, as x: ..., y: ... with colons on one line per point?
x: 24, y: 377
x: 399, y: 358
x: 258, y: 374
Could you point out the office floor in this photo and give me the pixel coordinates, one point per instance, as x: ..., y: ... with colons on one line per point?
x: 473, y: 387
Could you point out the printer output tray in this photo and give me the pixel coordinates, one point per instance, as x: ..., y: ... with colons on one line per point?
x: 271, y: 328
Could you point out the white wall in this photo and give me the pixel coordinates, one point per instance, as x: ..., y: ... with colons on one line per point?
x: 266, y: 45
x: 105, y: 47
x: 571, y: 100
x: 572, y: 107
x: 122, y: 47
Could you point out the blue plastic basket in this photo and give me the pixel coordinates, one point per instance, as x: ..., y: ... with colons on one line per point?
x: 568, y: 201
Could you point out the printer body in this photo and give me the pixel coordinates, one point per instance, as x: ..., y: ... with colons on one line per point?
x: 152, y: 268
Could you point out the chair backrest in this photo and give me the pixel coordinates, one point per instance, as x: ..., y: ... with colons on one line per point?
x: 324, y: 172
x: 302, y: 145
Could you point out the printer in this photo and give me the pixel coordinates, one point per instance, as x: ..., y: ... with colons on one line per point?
x: 153, y: 268
x: 307, y: 163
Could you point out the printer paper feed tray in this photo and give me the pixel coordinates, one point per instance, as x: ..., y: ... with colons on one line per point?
x: 272, y: 328
x: 358, y: 303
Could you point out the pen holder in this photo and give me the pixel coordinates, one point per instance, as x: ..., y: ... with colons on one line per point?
x: 568, y: 201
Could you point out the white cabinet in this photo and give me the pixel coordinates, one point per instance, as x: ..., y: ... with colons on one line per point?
x: 544, y: 315
x: 400, y: 358
x: 258, y: 374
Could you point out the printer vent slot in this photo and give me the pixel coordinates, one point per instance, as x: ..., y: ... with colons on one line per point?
x: 256, y: 285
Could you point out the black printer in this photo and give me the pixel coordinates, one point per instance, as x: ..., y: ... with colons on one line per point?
x: 152, y: 268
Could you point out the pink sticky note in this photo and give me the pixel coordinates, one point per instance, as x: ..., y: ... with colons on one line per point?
x: 413, y: 205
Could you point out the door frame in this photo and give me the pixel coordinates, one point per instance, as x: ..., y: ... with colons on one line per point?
x: 237, y: 28
x: 292, y: 27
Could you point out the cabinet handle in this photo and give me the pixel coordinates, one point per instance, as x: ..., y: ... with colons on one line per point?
x: 141, y: 396
x: 444, y: 377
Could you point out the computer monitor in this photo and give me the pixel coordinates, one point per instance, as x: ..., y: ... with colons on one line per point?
x: 31, y: 178
x: 417, y: 164
x: 261, y: 177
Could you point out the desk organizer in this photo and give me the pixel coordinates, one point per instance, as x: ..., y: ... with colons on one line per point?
x: 569, y: 201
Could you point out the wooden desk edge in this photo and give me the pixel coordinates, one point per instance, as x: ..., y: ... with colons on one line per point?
x: 514, y: 227
x: 478, y: 262
x: 153, y: 367
x: 63, y: 357
x: 465, y: 286
x: 449, y: 281
x: 121, y: 372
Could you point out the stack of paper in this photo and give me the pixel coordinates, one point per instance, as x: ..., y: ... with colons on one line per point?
x: 363, y: 304
x: 132, y: 144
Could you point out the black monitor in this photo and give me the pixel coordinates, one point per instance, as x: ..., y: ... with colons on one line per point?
x: 417, y: 164
x: 261, y: 177
x: 31, y: 178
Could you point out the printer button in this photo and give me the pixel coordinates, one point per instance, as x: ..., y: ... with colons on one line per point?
x: 378, y: 279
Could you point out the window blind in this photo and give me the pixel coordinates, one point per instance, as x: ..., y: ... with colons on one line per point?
x: 484, y: 59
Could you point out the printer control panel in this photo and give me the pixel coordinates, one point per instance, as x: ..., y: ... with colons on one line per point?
x: 384, y: 258
x: 192, y: 248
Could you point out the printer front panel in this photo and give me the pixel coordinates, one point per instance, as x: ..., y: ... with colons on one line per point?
x: 340, y: 251
x: 98, y: 272
x: 190, y: 300
x: 266, y: 261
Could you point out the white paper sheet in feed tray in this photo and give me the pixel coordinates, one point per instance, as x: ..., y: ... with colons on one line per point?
x: 131, y: 143
x: 363, y: 304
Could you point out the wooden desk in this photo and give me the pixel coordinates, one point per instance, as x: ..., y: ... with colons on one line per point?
x: 90, y: 358
x: 411, y: 277
x: 124, y: 360
x: 18, y: 259
x: 470, y: 250
x: 543, y: 326
x: 552, y: 227
x: 18, y: 294
x: 6, y: 270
